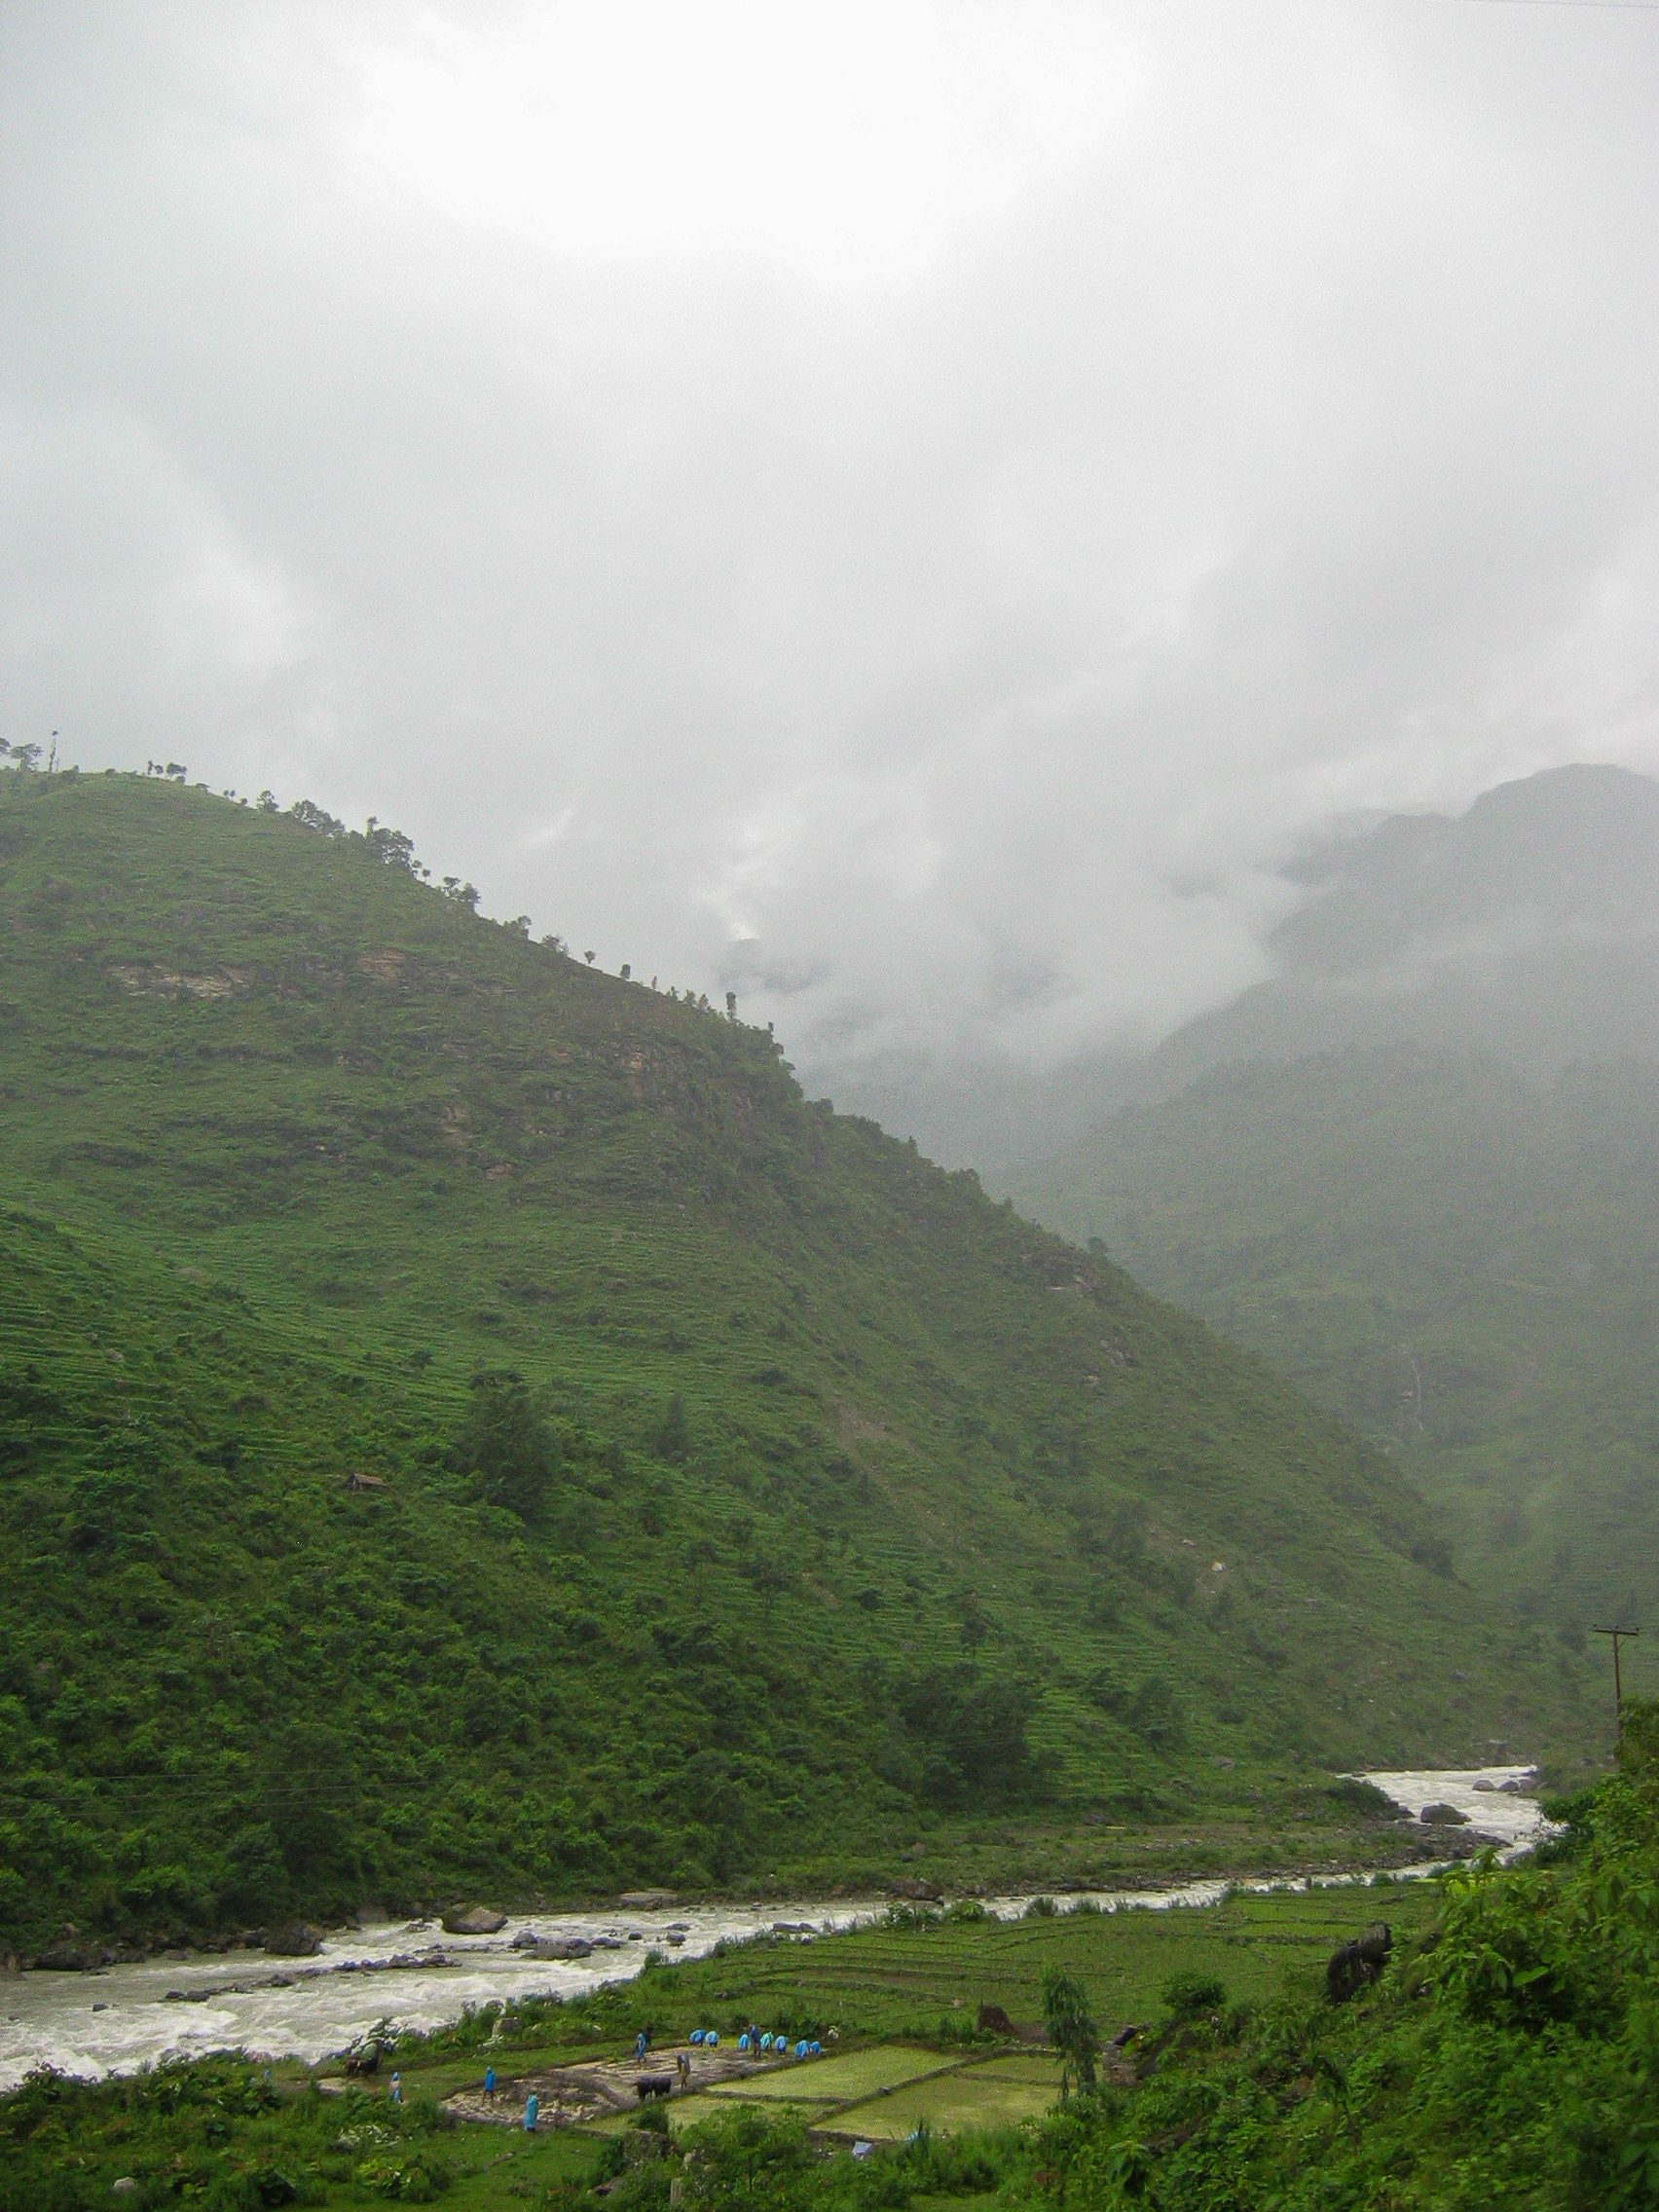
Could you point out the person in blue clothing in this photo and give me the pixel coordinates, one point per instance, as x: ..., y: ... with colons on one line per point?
x: 398, y: 2088
x: 530, y: 2106
x: 639, y: 2048
x: 489, y: 2080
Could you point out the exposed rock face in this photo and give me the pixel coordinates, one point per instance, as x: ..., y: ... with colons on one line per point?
x: 916, y: 1887
x: 646, y: 1900
x: 293, y: 1940
x: 1355, y: 1964
x: 473, y: 1920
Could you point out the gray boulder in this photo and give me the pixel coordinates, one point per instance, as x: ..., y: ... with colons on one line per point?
x: 473, y: 1920
x: 294, y: 1940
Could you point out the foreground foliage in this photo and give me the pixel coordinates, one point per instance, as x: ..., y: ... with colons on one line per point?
x: 1510, y: 2056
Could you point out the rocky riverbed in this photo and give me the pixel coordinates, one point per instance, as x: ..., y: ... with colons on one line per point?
x: 419, y: 1974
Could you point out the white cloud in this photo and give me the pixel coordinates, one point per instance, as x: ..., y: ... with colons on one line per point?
x: 910, y: 512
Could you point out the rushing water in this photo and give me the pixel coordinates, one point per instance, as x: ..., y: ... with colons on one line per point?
x: 411, y: 1974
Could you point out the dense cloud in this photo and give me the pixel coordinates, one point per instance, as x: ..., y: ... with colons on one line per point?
x: 908, y: 513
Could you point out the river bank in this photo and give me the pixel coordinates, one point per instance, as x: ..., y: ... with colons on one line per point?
x: 136, y: 2013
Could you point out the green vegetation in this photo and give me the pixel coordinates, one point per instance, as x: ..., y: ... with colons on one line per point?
x: 1457, y: 1263
x: 1506, y: 2056
x: 738, y: 1498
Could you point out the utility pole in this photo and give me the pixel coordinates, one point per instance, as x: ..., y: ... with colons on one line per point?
x: 1618, y: 1686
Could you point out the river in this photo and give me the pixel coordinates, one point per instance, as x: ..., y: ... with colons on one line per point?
x: 187, y: 2004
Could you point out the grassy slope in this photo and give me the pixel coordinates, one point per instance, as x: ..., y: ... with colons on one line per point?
x: 1460, y: 1266
x: 294, y: 1146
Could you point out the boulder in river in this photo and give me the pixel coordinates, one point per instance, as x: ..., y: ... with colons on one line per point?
x: 473, y: 1920
x: 915, y: 1887
x: 293, y: 1940
x: 645, y: 1901
x: 1442, y: 1817
x: 551, y: 1946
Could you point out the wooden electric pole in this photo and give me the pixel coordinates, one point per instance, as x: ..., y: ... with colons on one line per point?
x: 1618, y: 1686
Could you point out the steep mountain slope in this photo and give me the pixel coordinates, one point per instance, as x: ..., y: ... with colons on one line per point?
x: 1416, y: 1173
x: 836, y: 1506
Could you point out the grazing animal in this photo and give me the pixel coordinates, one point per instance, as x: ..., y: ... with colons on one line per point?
x: 1354, y: 1966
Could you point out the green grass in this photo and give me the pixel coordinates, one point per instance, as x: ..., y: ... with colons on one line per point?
x: 837, y: 2081
x: 846, y: 1512
x: 967, y: 2097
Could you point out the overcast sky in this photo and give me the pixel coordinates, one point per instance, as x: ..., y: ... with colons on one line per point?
x: 907, y: 512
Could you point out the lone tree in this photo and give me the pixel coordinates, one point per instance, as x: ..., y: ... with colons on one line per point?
x: 1071, y: 2030
x: 506, y: 1446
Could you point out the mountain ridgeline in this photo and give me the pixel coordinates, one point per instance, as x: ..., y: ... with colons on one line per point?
x: 1416, y: 1171
x: 469, y: 1425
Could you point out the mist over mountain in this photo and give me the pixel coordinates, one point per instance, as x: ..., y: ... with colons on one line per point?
x: 1527, y: 928
x: 1416, y: 1171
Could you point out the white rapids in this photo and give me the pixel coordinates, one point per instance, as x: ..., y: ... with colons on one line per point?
x: 411, y: 1974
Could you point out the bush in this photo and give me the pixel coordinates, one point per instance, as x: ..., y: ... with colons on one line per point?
x: 1190, y: 1996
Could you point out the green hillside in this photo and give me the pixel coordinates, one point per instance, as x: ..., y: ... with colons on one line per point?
x: 838, y: 1510
x: 1463, y: 1266
x: 1413, y: 1169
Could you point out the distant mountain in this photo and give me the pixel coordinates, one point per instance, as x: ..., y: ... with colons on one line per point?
x: 1527, y: 929
x: 1417, y: 1170
x: 469, y: 1425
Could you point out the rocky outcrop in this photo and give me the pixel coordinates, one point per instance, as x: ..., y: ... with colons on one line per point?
x: 915, y: 1887
x: 1442, y: 1817
x: 68, y: 1955
x: 473, y: 1920
x: 646, y: 1900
